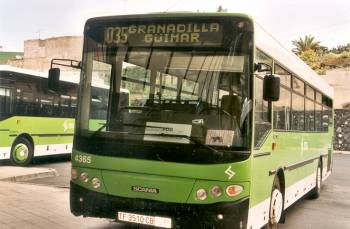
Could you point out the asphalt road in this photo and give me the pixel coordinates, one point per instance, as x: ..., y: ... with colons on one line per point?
x: 330, y: 211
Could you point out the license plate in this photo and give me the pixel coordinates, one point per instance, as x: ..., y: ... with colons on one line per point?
x: 145, y: 219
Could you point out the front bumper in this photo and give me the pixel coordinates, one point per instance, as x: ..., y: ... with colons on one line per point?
x: 93, y: 204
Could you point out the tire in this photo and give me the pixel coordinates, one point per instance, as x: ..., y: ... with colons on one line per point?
x: 276, y: 205
x: 316, y: 192
x: 21, y: 152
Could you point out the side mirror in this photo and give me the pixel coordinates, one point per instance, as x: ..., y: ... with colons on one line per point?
x: 271, y: 88
x: 54, y: 79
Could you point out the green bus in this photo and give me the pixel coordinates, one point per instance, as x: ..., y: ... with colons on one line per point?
x: 222, y: 126
x: 33, y: 120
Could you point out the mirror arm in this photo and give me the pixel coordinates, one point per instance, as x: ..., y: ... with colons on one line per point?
x: 72, y: 63
x: 258, y: 67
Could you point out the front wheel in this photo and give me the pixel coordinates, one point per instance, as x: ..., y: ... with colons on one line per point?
x: 276, y: 205
x: 21, y: 152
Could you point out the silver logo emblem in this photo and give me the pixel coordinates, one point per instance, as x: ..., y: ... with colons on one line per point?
x: 229, y: 172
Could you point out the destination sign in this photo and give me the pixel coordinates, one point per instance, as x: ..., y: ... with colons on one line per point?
x: 172, y: 34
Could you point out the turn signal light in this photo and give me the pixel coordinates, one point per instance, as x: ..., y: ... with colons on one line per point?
x: 234, y: 190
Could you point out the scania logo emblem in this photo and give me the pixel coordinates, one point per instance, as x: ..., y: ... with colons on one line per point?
x: 144, y: 189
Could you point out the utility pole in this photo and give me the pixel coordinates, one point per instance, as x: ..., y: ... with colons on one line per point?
x: 38, y: 32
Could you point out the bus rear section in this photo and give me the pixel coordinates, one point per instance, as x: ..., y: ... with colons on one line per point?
x: 175, y: 150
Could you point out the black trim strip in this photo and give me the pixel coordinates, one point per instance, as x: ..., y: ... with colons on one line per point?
x: 262, y: 154
x: 300, y: 164
x: 51, y: 135
x: 13, y: 135
x: 4, y: 129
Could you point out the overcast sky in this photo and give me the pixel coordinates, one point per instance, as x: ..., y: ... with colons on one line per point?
x: 327, y: 20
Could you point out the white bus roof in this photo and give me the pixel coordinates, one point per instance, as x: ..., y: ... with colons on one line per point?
x: 269, y: 45
x: 65, y: 76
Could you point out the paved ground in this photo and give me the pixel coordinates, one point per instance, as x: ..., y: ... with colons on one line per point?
x: 61, y: 164
x: 37, y: 205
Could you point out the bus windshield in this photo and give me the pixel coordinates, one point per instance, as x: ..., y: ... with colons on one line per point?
x: 140, y: 98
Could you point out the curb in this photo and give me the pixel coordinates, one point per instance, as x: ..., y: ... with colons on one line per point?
x: 27, y: 177
x: 341, y: 152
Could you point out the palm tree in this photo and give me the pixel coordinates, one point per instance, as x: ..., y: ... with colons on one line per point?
x: 306, y: 43
x: 221, y: 9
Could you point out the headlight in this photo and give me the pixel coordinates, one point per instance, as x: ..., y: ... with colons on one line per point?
x: 216, y: 191
x: 73, y: 174
x: 201, y: 194
x: 84, y: 177
x: 96, y: 183
x: 234, y: 190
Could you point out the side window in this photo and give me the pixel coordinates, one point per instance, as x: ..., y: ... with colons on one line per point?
x: 310, y: 109
x: 5, y: 100
x: 318, y: 111
x: 298, y: 105
x: 26, y: 98
x: 298, y: 86
x: 262, y: 123
x: 285, y: 76
x: 326, y: 113
x: 281, y: 112
x: 282, y: 107
x: 65, y: 105
x: 309, y: 115
x: 297, y: 112
x: 326, y: 116
x: 46, y: 105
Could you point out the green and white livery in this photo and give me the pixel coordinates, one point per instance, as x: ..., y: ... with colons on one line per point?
x: 220, y: 126
x: 33, y: 120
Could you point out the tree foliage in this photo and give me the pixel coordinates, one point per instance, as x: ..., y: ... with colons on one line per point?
x: 305, y: 44
x: 341, y: 48
x: 221, y: 9
x: 319, y: 57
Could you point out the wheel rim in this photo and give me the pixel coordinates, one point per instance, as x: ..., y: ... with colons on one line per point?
x: 20, y: 153
x: 319, y: 178
x: 276, y: 206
